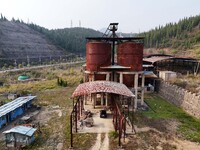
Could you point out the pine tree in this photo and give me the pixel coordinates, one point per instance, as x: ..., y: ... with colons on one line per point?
x: 1, y: 16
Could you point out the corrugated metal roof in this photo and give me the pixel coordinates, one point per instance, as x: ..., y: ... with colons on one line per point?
x: 14, y: 104
x: 149, y: 74
x: 146, y: 66
x: 152, y: 59
x: 29, y: 131
x: 102, y: 86
x: 156, y: 58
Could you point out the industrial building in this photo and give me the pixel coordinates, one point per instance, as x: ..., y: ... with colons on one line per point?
x: 117, y: 59
x: 10, y: 111
x: 113, y: 77
x: 162, y: 62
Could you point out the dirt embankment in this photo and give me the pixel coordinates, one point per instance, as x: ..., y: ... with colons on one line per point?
x: 17, y: 41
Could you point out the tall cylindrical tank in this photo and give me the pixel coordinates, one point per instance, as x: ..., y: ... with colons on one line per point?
x: 130, y: 54
x: 98, y: 54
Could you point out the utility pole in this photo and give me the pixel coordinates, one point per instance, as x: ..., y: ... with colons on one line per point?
x: 40, y: 60
x: 71, y: 24
x: 50, y: 60
x: 60, y: 59
x: 15, y: 63
x: 80, y: 23
x: 28, y: 61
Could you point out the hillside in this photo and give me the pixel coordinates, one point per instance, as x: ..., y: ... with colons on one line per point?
x: 21, y: 42
x: 181, y: 38
x: 71, y: 39
x: 17, y: 41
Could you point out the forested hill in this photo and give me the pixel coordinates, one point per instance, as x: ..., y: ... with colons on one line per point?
x: 180, y: 36
x: 71, y: 39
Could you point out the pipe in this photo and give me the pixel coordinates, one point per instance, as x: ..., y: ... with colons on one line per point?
x: 119, y: 138
x: 71, y: 134
x: 113, y: 53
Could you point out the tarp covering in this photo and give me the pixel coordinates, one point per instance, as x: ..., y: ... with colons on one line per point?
x: 102, y: 86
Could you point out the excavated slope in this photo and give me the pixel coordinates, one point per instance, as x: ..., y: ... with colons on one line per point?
x: 18, y: 41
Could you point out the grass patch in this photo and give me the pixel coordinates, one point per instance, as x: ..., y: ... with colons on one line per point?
x: 160, y: 108
x: 59, y: 96
x: 80, y: 141
x: 2, y: 102
x: 113, y: 140
x: 189, y: 82
x: 40, y: 139
x: 2, y: 145
x: 47, y: 79
x: 84, y: 141
x: 189, y: 126
x: 102, y: 137
x: 57, y: 129
x: 113, y: 134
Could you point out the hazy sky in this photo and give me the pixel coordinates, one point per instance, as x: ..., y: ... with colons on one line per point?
x: 133, y: 16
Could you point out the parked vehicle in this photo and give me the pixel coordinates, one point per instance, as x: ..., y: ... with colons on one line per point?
x: 103, y: 114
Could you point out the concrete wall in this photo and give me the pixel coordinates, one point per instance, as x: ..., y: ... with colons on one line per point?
x: 188, y: 101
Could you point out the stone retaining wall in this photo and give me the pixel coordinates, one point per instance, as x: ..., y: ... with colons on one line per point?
x: 188, y: 101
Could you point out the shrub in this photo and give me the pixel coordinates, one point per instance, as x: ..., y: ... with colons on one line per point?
x: 180, y: 83
x: 113, y: 134
x: 174, y: 51
x: 72, y: 72
x: 61, y: 82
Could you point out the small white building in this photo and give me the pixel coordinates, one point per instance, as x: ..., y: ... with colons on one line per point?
x: 167, y: 75
x: 19, y: 136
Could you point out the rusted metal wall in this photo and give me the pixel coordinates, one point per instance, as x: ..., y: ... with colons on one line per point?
x: 130, y: 54
x: 99, y: 77
x: 98, y: 54
x: 128, y: 80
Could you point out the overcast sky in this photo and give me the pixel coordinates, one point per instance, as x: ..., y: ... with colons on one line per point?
x: 133, y: 15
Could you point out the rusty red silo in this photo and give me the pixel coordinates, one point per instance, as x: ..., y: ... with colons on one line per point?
x: 130, y: 54
x: 98, y: 54
x: 99, y: 77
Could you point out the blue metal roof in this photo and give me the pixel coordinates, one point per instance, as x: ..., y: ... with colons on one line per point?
x: 148, y: 72
x: 29, y: 131
x: 14, y: 104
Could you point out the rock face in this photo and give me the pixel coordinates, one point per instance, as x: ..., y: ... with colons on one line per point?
x: 18, y: 41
